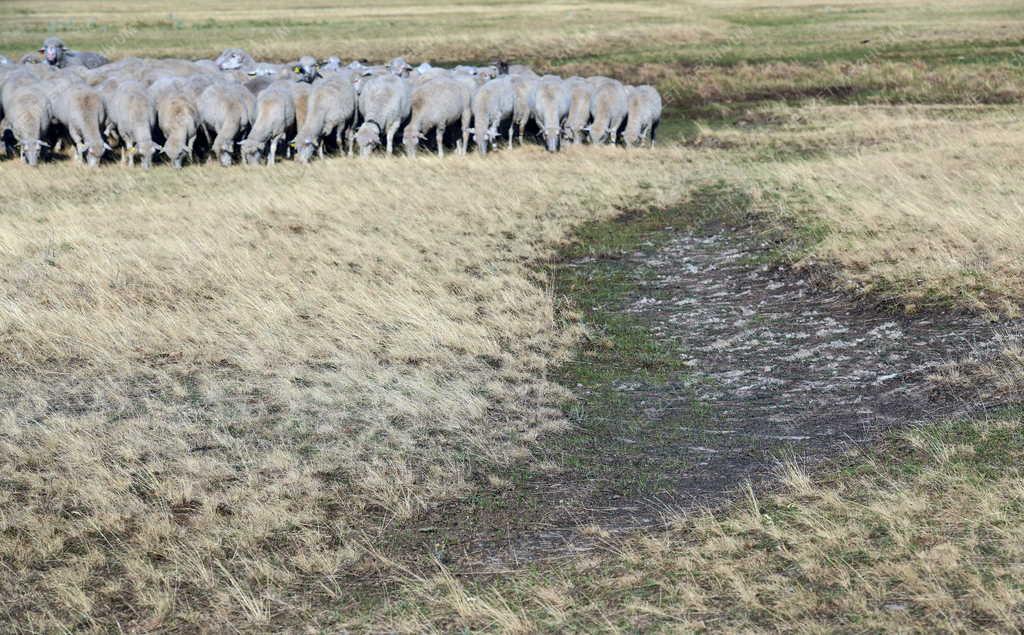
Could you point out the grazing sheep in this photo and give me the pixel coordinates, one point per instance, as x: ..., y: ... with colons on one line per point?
x: 524, y: 87
x: 551, y: 101
x: 331, y: 65
x: 580, y: 92
x: 177, y: 119
x: 228, y: 109
x: 644, y: 107
x: 435, y: 105
x: 492, y: 104
x: 300, y: 102
x: 608, y: 108
x: 275, y: 116
x: 28, y: 113
x: 521, y: 69
x: 55, y: 53
x: 384, y: 103
x: 80, y: 108
x: 132, y: 114
x: 331, y: 109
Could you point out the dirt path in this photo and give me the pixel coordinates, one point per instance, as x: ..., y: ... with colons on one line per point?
x: 773, y: 368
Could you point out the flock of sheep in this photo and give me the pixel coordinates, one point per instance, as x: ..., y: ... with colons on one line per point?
x: 236, y: 107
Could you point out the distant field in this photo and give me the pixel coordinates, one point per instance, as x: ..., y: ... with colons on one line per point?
x: 221, y: 391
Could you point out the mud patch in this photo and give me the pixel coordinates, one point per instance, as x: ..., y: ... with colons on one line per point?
x: 708, y: 364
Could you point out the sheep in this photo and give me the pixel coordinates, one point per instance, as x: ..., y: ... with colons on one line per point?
x: 524, y: 87
x: 132, y: 113
x: 177, y: 119
x: 523, y: 70
x: 436, y: 104
x: 492, y: 104
x: 551, y: 101
x: 80, y: 108
x: 28, y: 113
x: 55, y: 53
x: 234, y: 59
x: 580, y: 92
x: 275, y: 116
x: 644, y: 108
x: 228, y: 109
x: 306, y: 69
x: 331, y: 108
x: 384, y: 103
x: 608, y: 108
x: 399, y: 67
x: 300, y: 101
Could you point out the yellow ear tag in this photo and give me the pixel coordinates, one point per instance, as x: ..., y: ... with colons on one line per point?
x: 297, y: 69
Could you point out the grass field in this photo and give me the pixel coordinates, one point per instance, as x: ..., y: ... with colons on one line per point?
x: 221, y: 391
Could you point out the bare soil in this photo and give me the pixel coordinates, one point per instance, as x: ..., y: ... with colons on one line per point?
x: 773, y: 367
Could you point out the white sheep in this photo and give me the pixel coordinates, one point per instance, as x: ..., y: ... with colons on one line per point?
x: 132, y: 113
x: 580, y: 92
x: 551, y: 100
x: 644, y: 106
x: 229, y: 109
x: 28, y: 112
x: 608, y: 108
x: 384, y: 103
x: 436, y: 104
x: 331, y: 110
x: 177, y: 118
x: 275, y: 116
x: 493, y: 103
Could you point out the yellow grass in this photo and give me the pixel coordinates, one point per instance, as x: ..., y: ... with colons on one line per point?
x: 924, y: 535
x: 214, y: 371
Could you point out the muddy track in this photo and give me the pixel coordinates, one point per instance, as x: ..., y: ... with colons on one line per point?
x: 775, y: 368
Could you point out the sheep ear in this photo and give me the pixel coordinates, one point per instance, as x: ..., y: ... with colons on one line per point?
x: 44, y: 144
x: 42, y: 49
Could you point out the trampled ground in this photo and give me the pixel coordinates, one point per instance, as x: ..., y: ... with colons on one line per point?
x: 345, y: 395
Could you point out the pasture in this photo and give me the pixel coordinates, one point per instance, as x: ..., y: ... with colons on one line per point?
x: 358, y: 394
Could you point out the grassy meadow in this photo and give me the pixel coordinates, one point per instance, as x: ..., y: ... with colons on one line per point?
x: 221, y: 391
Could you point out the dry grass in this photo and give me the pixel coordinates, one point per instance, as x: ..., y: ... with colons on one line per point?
x: 925, y: 534
x: 923, y: 211
x: 218, y: 388
x: 213, y: 379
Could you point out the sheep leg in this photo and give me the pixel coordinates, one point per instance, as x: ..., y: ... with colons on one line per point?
x: 273, y: 151
x: 466, y: 119
x: 511, y: 136
x: 439, y: 135
x: 392, y: 129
